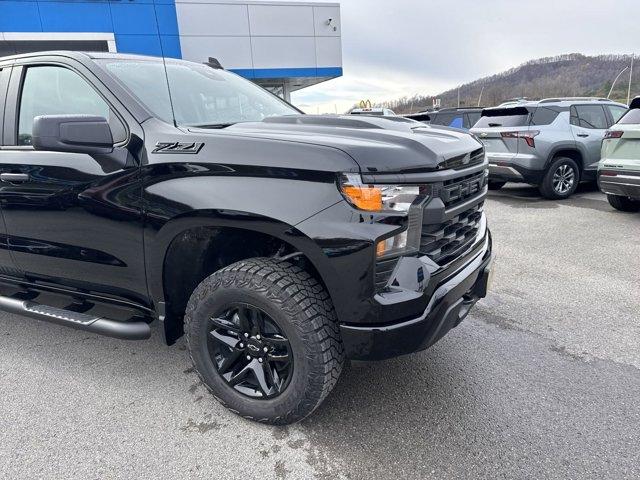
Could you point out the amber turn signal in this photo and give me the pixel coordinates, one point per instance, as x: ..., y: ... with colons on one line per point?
x: 364, y: 197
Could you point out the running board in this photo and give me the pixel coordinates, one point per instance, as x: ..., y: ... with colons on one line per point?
x: 80, y: 321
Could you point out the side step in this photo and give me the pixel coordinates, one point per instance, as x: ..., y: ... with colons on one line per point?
x: 81, y: 321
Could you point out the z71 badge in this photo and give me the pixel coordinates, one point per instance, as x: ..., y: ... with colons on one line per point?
x: 178, y: 147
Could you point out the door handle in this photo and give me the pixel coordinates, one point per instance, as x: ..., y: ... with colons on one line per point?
x: 583, y: 135
x: 14, y: 177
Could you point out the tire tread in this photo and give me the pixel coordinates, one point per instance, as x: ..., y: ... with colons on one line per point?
x: 308, y: 299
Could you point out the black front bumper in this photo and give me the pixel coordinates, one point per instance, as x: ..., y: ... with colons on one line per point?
x: 449, y: 305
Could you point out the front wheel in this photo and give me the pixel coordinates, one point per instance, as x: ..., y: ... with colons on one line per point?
x: 624, y: 204
x: 263, y: 336
x: 561, y: 179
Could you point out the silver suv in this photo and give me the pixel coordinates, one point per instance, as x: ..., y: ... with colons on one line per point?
x: 552, y: 143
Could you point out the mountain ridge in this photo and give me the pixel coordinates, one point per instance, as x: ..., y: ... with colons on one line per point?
x: 572, y: 75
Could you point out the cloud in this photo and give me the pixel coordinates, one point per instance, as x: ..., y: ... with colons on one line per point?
x: 395, y: 48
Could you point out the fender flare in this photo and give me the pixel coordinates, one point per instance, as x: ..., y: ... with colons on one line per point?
x: 158, y: 247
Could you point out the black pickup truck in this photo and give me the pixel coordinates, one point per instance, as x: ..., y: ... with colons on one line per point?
x: 138, y: 191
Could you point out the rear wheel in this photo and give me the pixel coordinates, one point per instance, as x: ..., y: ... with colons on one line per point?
x: 493, y: 185
x: 624, y: 204
x: 561, y: 179
x: 264, y: 338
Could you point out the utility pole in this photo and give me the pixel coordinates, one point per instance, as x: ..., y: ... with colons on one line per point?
x: 458, y: 97
x: 480, y: 97
x: 630, y: 74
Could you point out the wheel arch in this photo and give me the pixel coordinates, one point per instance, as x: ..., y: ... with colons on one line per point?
x: 193, y: 246
x: 572, y: 152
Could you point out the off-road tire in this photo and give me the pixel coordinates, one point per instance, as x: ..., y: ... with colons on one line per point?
x: 624, y: 204
x: 546, y: 187
x: 495, y: 185
x: 302, y: 308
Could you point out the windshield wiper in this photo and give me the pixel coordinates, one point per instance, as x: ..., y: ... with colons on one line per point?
x: 212, y: 125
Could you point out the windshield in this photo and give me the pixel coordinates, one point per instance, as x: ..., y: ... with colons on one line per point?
x: 198, y: 95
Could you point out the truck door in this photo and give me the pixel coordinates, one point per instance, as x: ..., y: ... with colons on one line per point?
x: 72, y: 220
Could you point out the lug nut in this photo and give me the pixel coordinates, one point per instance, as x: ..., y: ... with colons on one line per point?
x: 248, y: 357
x: 260, y: 360
x: 265, y: 349
x: 257, y: 337
x: 241, y: 345
x: 246, y: 334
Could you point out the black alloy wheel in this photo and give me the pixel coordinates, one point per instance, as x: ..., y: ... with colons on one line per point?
x: 251, y: 353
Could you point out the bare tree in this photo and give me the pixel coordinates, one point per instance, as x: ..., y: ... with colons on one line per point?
x: 571, y: 74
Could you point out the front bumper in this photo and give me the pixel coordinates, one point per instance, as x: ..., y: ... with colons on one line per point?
x: 625, y: 183
x: 448, y: 306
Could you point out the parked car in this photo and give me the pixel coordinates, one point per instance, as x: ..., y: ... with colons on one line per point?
x: 463, y: 118
x: 619, y: 168
x: 372, y: 111
x: 137, y: 190
x: 423, y: 117
x: 552, y: 143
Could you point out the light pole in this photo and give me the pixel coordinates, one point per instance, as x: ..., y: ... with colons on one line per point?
x: 630, y: 74
x: 616, y: 79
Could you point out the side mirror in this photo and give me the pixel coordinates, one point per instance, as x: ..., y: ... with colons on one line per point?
x: 72, y: 133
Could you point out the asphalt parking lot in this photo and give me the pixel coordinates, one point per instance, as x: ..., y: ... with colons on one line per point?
x: 541, y: 381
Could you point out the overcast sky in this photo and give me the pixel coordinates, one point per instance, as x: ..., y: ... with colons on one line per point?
x: 393, y: 48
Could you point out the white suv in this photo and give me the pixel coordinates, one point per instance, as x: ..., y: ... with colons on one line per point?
x: 619, y: 168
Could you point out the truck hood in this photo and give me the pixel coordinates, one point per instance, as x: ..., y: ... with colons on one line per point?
x: 376, y: 144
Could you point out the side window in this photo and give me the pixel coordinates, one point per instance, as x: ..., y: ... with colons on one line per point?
x: 616, y: 112
x: 52, y: 90
x: 473, y: 118
x: 544, y: 116
x: 448, y: 119
x: 589, y: 116
x: 457, y: 122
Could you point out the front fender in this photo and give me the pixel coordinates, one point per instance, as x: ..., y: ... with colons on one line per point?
x: 272, y: 206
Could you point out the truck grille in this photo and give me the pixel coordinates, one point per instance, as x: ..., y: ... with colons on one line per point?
x: 457, y: 190
x: 443, y: 242
x: 451, y: 220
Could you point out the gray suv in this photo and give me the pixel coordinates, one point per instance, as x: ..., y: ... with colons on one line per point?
x: 552, y: 143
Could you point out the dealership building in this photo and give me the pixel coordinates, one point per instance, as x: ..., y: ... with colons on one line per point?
x: 283, y: 46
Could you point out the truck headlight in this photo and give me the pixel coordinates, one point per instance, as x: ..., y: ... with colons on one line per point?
x: 392, y: 198
x: 380, y: 197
